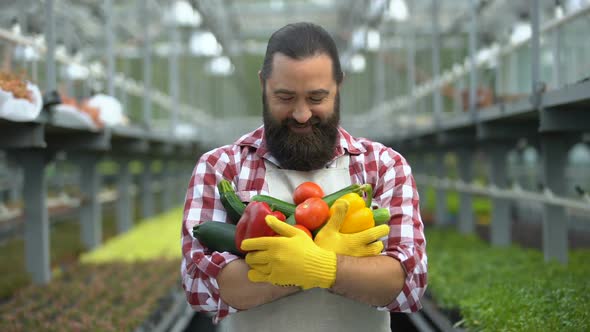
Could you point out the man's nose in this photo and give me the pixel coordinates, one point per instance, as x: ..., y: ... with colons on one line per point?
x: 302, y: 112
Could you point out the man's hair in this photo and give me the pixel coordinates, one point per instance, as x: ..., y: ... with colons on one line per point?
x: 299, y: 41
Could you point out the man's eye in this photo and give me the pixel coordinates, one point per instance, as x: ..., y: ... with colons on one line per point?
x: 285, y: 98
x: 316, y: 100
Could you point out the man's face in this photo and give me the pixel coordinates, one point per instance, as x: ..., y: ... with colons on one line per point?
x: 301, y: 111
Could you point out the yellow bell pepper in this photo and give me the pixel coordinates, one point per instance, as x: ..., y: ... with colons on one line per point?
x: 359, y: 217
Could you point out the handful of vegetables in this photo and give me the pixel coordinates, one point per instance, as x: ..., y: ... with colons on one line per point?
x: 309, y: 213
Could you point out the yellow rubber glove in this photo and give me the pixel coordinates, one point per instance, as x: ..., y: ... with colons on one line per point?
x: 359, y: 244
x: 290, y: 259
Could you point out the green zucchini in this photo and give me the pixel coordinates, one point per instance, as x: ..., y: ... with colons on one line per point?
x: 276, y: 204
x: 230, y: 201
x: 353, y: 188
x: 217, y: 236
x: 381, y: 216
x: 291, y: 220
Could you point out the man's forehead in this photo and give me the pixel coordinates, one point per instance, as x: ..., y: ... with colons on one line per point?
x: 280, y: 58
x: 315, y: 70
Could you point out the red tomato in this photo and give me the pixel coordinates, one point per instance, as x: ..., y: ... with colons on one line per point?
x: 312, y: 213
x: 307, y: 190
x: 301, y: 227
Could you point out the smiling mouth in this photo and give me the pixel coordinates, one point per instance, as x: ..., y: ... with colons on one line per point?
x: 301, y: 129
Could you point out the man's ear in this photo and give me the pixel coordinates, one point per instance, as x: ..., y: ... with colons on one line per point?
x: 260, y: 79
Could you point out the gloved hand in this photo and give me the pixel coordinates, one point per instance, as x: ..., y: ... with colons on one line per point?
x: 289, y: 259
x: 359, y: 244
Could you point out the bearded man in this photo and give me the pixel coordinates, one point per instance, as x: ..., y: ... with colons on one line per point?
x: 292, y: 282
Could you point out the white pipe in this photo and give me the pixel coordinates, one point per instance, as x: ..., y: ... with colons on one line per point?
x: 516, y: 192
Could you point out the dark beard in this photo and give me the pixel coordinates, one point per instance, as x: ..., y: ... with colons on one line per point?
x: 301, y: 152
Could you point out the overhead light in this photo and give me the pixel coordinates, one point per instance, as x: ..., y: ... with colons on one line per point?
x: 488, y: 55
x: 376, y: 9
x: 183, y: 14
x: 373, y: 40
x: 323, y: 3
x: 26, y: 53
x: 75, y: 72
x: 558, y: 12
x: 220, y: 66
x: 61, y: 50
x: 358, y: 63
x: 16, y: 29
x: 358, y: 39
x: 397, y: 10
x: 277, y: 4
x: 96, y: 68
x: 521, y: 32
x: 204, y: 43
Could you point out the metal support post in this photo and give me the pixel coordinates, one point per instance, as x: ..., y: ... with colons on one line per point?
x: 472, y: 56
x: 147, y: 192
x: 36, y: 215
x: 185, y: 169
x: 90, y: 208
x: 124, y: 94
x: 49, y: 17
x: 441, y: 210
x: 22, y: 16
x: 380, y: 79
x: 535, y: 50
x: 465, y: 168
x: 15, y: 181
x: 69, y: 39
x: 59, y: 177
x: 520, y: 176
x: 147, y: 66
x: 499, y: 79
x: 125, y: 200
x: 166, y: 185
x: 557, y: 53
x: 110, y: 42
x: 500, y: 228
x: 437, y: 96
x: 457, y: 95
x: 411, y: 70
x: 555, y: 230
x: 417, y: 164
x: 174, y: 77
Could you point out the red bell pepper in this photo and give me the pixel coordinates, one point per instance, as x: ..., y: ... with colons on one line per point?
x: 252, y: 223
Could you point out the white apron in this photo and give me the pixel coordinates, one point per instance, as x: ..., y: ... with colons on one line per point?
x: 315, y: 309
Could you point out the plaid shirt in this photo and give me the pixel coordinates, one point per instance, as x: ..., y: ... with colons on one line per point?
x: 243, y: 164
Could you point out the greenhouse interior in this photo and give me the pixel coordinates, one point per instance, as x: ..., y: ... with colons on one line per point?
x: 132, y: 141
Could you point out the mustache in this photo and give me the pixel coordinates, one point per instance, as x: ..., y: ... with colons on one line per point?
x: 313, y: 121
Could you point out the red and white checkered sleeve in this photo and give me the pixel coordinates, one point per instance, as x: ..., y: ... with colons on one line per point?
x: 397, y: 190
x: 200, y: 266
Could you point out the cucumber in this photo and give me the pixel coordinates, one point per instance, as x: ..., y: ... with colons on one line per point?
x: 217, y: 236
x: 230, y: 201
x: 276, y: 204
